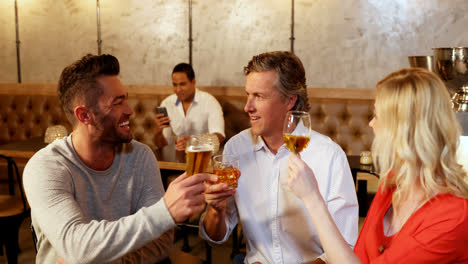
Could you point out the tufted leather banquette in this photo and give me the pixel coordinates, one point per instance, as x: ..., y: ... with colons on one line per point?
x: 26, y: 110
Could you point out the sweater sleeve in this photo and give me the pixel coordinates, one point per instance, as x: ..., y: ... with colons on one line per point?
x: 153, y: 191
x: 49, y: 187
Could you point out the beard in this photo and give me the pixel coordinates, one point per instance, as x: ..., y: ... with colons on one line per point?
x: 108, y: 131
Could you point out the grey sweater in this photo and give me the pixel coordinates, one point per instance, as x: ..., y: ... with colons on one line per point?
x: 88, y: 216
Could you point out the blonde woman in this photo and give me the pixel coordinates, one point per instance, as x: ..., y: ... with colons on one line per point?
x: 420, y: 212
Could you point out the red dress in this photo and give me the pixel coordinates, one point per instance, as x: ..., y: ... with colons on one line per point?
x: 436, y: 233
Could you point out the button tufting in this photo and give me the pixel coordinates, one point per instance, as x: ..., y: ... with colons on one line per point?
x: 148, y: 124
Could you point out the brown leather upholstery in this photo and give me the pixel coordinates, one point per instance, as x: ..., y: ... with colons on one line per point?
x: 26, y: 116
x: 26, y: 110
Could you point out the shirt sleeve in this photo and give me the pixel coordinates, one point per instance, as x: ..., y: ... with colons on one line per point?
x: 230, y: 222
x: 75, y: 238
x: 341, y: 199
x: 216, y: 116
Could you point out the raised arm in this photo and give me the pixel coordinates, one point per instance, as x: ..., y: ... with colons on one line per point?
x: 304, y: 184
x: 214, y: 222
x: 63, y: 220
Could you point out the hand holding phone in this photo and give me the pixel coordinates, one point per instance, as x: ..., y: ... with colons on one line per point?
x: 162, y: 119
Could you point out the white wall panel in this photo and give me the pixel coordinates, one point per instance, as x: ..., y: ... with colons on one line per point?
x: 228, y: 33
x: 7, y: 42
x: 350, y: 43
x: 148, y: 37
x: 53, y: 34
x: 343, y: 43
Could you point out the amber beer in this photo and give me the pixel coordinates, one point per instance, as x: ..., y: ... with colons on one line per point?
x: 295, y: 143
x: 226, y: 167
x: 228, y: 175
x: 198, y: 158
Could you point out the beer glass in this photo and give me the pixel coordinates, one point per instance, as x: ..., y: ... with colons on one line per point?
x: 198, y: 154
x: 226, y: 167
x: 296, y: 131
x: 213, y: 140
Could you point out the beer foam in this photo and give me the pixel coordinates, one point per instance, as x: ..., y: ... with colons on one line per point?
x: 201, y: 148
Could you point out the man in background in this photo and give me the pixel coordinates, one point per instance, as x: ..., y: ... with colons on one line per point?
x: 190, y: 112
x: 96, y: 196
x: 275, y: 223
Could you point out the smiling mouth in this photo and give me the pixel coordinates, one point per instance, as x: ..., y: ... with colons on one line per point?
x: 126, y: 123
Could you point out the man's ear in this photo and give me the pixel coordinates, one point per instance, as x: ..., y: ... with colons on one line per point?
x: 83, y: 115
x: 291, y: 102
x: 194, y: 81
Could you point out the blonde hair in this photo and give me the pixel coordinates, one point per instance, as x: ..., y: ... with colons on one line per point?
x: 418, y: 136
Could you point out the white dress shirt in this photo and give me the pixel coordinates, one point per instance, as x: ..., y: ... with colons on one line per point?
x: 275, y: 223
x: 204, y: 115
x: 462, y: 152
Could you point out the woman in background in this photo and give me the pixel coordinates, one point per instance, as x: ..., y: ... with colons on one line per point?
x: 420, y: 212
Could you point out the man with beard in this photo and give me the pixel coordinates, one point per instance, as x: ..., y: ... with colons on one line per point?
x: 276, y: 225
x: 96, y: 195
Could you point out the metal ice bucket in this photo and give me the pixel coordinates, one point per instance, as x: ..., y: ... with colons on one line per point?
x: 426, y: 62
x: 452, y: 66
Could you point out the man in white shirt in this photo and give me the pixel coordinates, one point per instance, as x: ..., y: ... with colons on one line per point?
x: 275, y: 223
x: 190, y: 111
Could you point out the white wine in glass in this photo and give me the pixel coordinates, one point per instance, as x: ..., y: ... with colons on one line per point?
x: 296, y: 131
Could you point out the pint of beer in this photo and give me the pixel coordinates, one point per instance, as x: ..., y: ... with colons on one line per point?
x: 198, y: 154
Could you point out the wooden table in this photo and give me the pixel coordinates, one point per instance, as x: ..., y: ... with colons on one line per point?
x: 23, y: 150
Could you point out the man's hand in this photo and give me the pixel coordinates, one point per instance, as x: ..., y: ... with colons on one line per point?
x: 216, y: 195
x: 181, y: 142
x: 184, y: 196
x: 161, y: 122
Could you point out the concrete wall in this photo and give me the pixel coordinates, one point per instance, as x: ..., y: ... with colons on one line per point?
x: 342, y: 43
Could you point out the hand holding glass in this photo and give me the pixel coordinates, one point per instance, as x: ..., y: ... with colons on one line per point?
x: 296, y: 131
x: 226, y: 167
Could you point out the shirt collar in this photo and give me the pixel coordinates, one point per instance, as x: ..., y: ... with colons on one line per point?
x: 259, y: 144
x: 194, y: 100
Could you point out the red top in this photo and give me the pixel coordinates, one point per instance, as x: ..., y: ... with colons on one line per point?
x: 436, y: 233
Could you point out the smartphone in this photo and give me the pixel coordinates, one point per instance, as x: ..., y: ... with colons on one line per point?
x: 162, y: 110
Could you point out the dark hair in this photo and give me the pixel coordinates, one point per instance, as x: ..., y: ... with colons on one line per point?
x: 290, y: 74
x: 77, y: 83
x: 185, y: 67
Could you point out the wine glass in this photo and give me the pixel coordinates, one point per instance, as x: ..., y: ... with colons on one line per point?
x: 296, y: 131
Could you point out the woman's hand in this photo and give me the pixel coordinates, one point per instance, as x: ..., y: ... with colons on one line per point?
x: 301, y: 178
